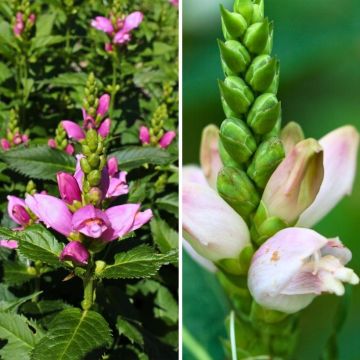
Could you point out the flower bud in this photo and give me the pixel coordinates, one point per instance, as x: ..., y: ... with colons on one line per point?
x: 113, y: 166
x: 76, y: 252
x: 68, y: 187
x: 210, y: 225
x: 245, y: 8
x: 261, y: 72
x: 144, y: 135
x: 238, y: 191
x: 235, y: 55
x: 94, y: 178
x: 5, y: 144
x: 258, y: 11
x: 226, y: 159
x: 95, y: 196
x: 270, y: 40
x: 104, y: 103
x: 236, y: 94
x: 167, y: 139
x: 291, y: 134
x: 264, y: 113
x: 237, y: 140
x: 294, y: 266
x: 228, y: 112
x: 94, y: 161
x: 85, y: 166
x: 256, y: 36
x: 233, y: 24
x: 92, y: 139
x: 295, y: 183
x: 266, y: 159
x: 17, y: 210
x: 209, y: 154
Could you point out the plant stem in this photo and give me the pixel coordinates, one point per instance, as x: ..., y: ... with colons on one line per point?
x: 114, y: 80
x: 89, y: 287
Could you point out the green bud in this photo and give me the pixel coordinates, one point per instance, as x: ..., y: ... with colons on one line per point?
x: 274, y: 86
x: 94, y: 196
x: 291, y: 134
x: 94, y: 178
x: 31, y: 271
x: 236, y: 94
x: 235, y: 55
x: 85, y: 166
x: 258, y: 11
x: 99, y: 266
x: 85, y: 150
x: 270, y: 40
x: 226, y: 159
x: 256, y: 37
x: 102, y: 162
x: 238, y: 191
x: 237, y: 140
x: 228, y: 112
x: 92, y: 139
x: 267, y: 229
x: 86, y: 186
x: 264, y: 113
x: 266, y: 159
x: 245, y: 8
x: 261, y: 72
x: 94, y: 161
x: 234, y: 25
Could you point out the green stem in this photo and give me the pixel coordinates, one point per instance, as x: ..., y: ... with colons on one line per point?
x: 114, y: 80
x: 89, y: 287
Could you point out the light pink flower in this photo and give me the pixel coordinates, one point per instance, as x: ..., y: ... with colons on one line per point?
x: 9, y: 244
x: 103, y: 24
x: 75, y: 251
x: 144, y: 135
x: 104, y: 128
x: 113, y: 166
x: 73, y: 130
x: 118, y: 185
x: 5, y: 144
x: 19, y: 24
x: 294, y: 266
x: 104, y: 103
x: 167, y: 139
x: 109, y: 47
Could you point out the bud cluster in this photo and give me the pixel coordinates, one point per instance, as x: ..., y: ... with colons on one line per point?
x: 13, y: 136
x: 91, y: 101
x: 61, y: 142
x: 24, y: 19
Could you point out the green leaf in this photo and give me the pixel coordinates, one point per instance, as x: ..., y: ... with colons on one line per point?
x: 136, y: 156
x: 21, y: 339
x: 140, y: 262
x: 5, y: 72
x: 165, y: 237
x: 72, y: 335
x: 40, y: 162
x: 166, y: 306
x: 15, y: 303
x: 44, y: 24
x: 16, y: 273
x: 170, y: 203
x: 129, y: 330
x: 68, y: 80
x: 8, y: 234
x: 38, y: 243
x: 41, y: 42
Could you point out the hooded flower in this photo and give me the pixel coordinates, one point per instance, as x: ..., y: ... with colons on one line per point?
x: 167, y: 139
x: 75, y: 251
x: 294, y: 266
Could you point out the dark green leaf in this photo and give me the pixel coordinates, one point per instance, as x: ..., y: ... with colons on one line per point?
x: 129, y: 330
x: 16, y: 273
x: 169, y: 203
x: 165, y: 237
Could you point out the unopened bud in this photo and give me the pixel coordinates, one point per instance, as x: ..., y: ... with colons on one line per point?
x: 92, y: 139
x: 85, y: 166
x: 245, y: 8
x: 94, y: 161
x: 261, y: 72
x: 264, y: 113
x: 236, y: 94
x: 226, y: 159
x: 238, y: 191
x: 235, y: 55
x: 234, y: 25
x: 94, y: 178
x: 256, y: 37
x: 266, y: 159
x: 258, y: 11
x: 237, y: 140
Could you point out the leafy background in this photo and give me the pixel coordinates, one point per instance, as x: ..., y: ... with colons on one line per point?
x: 318, y: 44
x: 62, y: 51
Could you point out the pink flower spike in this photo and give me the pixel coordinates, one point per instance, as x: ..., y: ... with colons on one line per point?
x: 104, y: 103
x: 75, y: 251
x: 52, y: 211
x: 69, y: 149
x: 32, y: 18
x: 5, y: 144
x: 9, y: 244
x: 167, y: 139
x: 73, y: 130
x: 17, y: 210
x: 90, y: 221
x: 132, y: 21
x: 118, y: 185
x: 141, y: 218
x: 144, y: 135
x: 103, y: 24
x: 122, y: 218
x: 104, y: 128
x: 113, y: 166
x: 68, y: 187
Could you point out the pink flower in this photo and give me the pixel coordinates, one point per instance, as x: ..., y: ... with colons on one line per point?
x: 5, y: 144
x: 104, y: 128
x: 68, y: 188
x: 109, y: 47
x: 174, y: 3
x: 103, y: 24
x: 104, y: 103
x: 131, y: 22
x: 340, y: 158
x: 9, y: 244
x: 17, y: 210
x: 75, y: 251
x: 113, y: 166
x: 32, y: 18
x: 73, y: 130
x: 19, y: 24
x: 294, y: 266
x: 144, y: 135
x: 69, y: 149
x: 118, y: 185
x: 167, y: 139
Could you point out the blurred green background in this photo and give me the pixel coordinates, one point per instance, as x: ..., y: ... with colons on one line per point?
x: 318, y: 44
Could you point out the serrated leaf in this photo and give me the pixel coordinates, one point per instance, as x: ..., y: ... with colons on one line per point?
x: 164, y: 236
x: 41, y: 162
x: 136, y: 156
x: 38, y: 243
x: 16, y: 273
x: 21, y: 339
x: 14, y: 304
x: 170, y: 203
x: 67, y: 80
x: 129, y: 330
x: 72, y: 335
x: 8, y: 234
x: 140, y: 262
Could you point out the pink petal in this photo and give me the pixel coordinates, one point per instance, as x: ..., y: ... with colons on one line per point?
x: 75, y: 251
x: 79, y: 175
x: 5, y: 144
x: 104, y: 103
x: 144, y: 135
x: 16, y: 210
x: 10, y: 244
x: 118, y: 185
x: 109, y: 47
x: 52, y: 143
x: 122, y: 218
x: 132, y: 21
x: 73, y: 130
x: 193, y: 174
x: 113, y: 166
x: 122, y: 37
x: 104, y: 128
x: 70, y: 149
x: 68, y: 187
x: 52, y: 211
x: 167, y: 139
x: 141, y: 218
x: 102, y: 23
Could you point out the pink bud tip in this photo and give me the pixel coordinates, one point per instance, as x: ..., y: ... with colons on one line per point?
x: 5, y: 144
x: 109, y: 47
x: 104, y: 103
x: 167, y: 139
x: 113, y: 166
x: 68, y: 187
x: 69, y: 149
x: 76, y: 252
x: 144, y: 135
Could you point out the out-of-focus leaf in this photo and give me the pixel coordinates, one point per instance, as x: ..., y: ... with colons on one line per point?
x: 16, y: 273
x: 5, y: 72
x: 165, y: 237
x: 129, y: 330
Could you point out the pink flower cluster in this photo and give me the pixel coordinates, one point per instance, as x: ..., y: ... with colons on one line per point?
x: 18, y: 139
x: 119, y: 30
x: 20, y: 22
x: 165, y: 141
